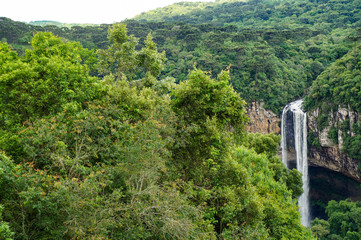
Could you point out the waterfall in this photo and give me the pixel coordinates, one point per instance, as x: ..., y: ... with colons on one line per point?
x: 283, y: 136
x: 296, y: 137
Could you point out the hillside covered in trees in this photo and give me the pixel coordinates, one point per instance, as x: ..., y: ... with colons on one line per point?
x: 329, y: 14
x: 137, y: 130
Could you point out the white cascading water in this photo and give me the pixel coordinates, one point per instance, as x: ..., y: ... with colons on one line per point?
x: 300, y: 134
x: 283, y: 136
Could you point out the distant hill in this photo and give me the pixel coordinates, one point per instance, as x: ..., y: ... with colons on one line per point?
x: 59, y: 24
x: 19, y: 34
x: 179, y: 10
x: 257, y: 13
x: 45, y: 23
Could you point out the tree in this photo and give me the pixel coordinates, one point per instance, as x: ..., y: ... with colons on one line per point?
x: 122, y: 60
x: 343, y: 221
x: 207, y: 109
x: 320, y: 228
x: 236, y: 188
x: 53, y: 76
x: 201, y: 97
x: 5, y: 232
x: 97, y: 173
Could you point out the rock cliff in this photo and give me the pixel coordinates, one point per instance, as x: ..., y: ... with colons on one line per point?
x: 329, y: 155
x: 262, y: 120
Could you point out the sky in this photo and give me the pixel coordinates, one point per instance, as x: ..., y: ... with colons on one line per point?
x: 80, y: 11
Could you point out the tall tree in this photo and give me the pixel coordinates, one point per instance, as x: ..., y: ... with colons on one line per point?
x: 122, y: 60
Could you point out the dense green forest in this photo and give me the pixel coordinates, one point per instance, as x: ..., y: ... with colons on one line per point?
x: 137, y: 130
x: 122, y: 157
x: 326, y: 14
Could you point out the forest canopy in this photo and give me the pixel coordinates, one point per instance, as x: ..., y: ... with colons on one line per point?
x: 120, y: 157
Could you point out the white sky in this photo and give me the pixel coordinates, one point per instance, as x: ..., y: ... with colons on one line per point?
x: 80, y: 11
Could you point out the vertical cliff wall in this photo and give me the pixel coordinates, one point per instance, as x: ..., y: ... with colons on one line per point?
x: 329, y: 154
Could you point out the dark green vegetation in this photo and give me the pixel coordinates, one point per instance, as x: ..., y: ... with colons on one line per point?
x: 19, y: 34
x: 343, y: 222
x: 131, y: 155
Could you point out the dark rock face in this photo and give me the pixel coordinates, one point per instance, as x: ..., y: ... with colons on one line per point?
x: 330, y: 155
x: 334, y: 159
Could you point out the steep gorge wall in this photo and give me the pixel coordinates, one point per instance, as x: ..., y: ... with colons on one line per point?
x: 330, y: 155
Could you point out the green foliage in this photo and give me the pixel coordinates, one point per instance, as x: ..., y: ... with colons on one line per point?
x: 294, y: 182
x: 268, y: 145
x: 322, y: 121
x: 5, y: 232
x: 207, y: 110
x: 343, y: 221
x: 320, y: 228
x: 123, y: 60
x: 339, y: 84
x: 313, y: 139
x: 352, y: 142
x: 237, y: 187
x: 275, y: 65
x: 117, y: 159
x: 201, y: 97
x: 96, y: 173
x: 52, y: 77
x: 59, y: 24
x: 263, y: 143
x: 333, y: 134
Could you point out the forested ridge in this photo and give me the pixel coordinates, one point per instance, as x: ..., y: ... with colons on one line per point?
x: 137, y: 130
x: 327, y: 14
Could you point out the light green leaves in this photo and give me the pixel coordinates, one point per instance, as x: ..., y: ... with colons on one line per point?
x: 53, y: 76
